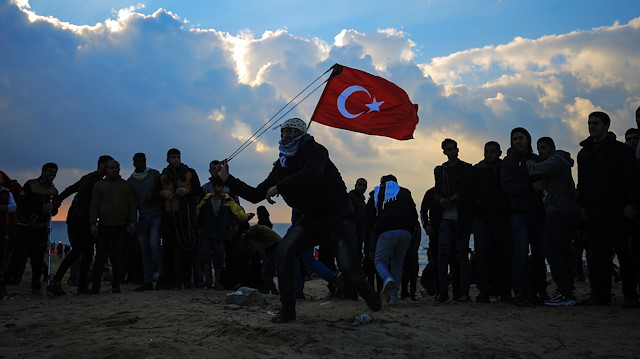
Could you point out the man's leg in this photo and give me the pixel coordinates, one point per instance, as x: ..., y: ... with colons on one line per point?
x: 444, y: 247
x: 144, y: 238
x: 558, y: 231
x: 402, y: 240
x: 343, y: 236
x: 155, y: 236
x: 297, y: 239
x: 520, y: 258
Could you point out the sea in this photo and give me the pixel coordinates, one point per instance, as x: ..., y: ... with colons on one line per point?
x: 59, y: 234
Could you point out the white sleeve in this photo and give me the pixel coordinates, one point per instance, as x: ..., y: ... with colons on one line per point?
x: 11, y: 206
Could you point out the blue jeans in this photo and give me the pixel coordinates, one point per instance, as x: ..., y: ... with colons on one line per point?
x: 528, y: 230
x: 312, y: 264
x: 149, y: 234
x: 451, y: 236
x: 390, y: 252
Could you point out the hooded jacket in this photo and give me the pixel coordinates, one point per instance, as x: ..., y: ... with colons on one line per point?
x: 516, y: 181
x: 561, y: 194
x: 607, y: 177
x: 310, y: 182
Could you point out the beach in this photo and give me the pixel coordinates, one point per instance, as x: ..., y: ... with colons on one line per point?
x: 194, y: 323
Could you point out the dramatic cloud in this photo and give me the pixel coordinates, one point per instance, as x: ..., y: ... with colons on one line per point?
x: 147, y: 83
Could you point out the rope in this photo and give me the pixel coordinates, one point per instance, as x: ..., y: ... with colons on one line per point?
x: 264, y: 128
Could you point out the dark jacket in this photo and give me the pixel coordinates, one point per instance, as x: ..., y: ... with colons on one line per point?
x: 449, y: 180
x: 358, y: 203
x: 517, y: 183
x: 34, y: 195
x: 607, y: 177
x: 561, y: 193
x: 84, y: 188
x: 483, y: 192
x: 430, y: 211
x: 397, y: 213
x: 216, y: 227
x: 310, y: 182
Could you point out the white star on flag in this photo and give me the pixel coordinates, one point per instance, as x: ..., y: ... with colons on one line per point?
x: 374, y: 106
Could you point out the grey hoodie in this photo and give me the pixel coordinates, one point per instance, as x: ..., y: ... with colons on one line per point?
x: 556, y: 169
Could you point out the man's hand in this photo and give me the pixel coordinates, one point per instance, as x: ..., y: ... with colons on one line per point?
x: 166, y: 194
x: 131, y: 228
x: 630, y: 212
x: 47, y: 207
x: 223, y: 170
x: 182, y: 191
x: 540, y: 185
x: 271, y: 192
x: 445, y: 203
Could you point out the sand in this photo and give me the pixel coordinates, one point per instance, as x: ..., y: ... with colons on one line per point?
x: 194, y: 323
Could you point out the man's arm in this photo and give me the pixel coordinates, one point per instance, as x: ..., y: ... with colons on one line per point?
x: 552, y: 165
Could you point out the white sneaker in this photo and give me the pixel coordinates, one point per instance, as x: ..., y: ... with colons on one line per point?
x: 389, y: 284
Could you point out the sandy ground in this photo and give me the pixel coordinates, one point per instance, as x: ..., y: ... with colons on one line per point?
x: 194, y: 323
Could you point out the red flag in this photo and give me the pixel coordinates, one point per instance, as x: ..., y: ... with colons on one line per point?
x: 358, y: 101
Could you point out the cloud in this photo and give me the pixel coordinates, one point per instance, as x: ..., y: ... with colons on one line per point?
x: 147, y: 83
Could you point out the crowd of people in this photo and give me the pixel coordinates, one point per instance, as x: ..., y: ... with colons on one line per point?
x: 523, y: 212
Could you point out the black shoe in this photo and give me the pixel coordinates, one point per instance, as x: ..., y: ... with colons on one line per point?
x: 93, y: 290
x: 374, y: 303
x: 592, y: 301
x: 55, y: 289
x: 145, y: 287
x: 285, y: 315
x: 482, y: 298
x: 83, y: 289
x: 520, y: 300
x: 36, y: 291
x: 630, y: 303
x: 115, y: 290
x: 462, y: 298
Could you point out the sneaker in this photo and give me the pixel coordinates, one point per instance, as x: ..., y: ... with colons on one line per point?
x: 389, y: 284
x: 520, y: 300
x: 145, y: 287
x: 442, y: 298
x: 83, y: 289
x: 592, y: 301
x: 393, y: 300
x: 115, y: 290
x: 462, y: 298
x: 482, y: 298
x: 373, y: 302
x: 285, y: 315
x: 493, y: 299
x: 630, y: 303
x: 93, y: 290
x: 560, y: 300
x: 218, y: 286
x: 55, y: 289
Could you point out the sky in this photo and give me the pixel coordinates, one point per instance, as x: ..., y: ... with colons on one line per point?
x: 79, y: 79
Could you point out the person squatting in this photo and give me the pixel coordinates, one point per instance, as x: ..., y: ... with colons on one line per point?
x: 523, y: 211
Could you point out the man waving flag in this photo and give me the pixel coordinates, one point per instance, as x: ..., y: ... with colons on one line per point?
x: 358, y: 101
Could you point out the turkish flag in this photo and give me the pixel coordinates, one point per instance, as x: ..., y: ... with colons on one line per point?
x: 358, y: 101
